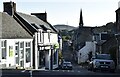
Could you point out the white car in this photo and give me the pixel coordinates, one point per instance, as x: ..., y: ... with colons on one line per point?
x: 102, y: 62
x: 67, y: 66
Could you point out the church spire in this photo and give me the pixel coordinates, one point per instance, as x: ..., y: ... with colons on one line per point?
x: 81, y: 19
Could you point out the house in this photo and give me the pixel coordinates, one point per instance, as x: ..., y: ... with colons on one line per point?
x: 118, y: 33
x: 27, y: 41
x: 84, y: 37
x: 102, y: 40
x: 83, y: 53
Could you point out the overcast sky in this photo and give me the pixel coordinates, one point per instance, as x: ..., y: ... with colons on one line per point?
x: 95, y: 12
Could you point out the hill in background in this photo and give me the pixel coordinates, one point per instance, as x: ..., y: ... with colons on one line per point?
x: 61, y: 27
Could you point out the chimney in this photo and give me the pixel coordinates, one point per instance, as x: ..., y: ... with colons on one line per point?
x: 9, y: 7
x: 42, y: 16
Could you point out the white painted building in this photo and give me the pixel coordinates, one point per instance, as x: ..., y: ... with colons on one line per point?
x: 27, y: 41
x: 16, y: 52
x: 83, y: 52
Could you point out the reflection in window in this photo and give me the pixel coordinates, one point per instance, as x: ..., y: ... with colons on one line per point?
x: 28, y: 50
x: 55, y: 57
x: 27, y: 44
x: 21, y: 44
x: 21, y: 50
x: 17, y: 52
x: 27, y: 54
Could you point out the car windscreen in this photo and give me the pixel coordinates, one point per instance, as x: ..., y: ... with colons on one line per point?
x: 103, y: 57
x: 67, y: 63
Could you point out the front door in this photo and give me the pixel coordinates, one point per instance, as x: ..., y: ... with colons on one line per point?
x: 41, y: 59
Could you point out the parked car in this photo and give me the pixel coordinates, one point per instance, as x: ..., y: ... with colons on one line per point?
x: 102, y: 62
x: 66, y: 66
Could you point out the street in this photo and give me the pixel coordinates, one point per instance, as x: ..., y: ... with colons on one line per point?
x: 77, y: 71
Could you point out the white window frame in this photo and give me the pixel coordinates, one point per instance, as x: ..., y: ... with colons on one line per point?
x: 21, y: 49
x: 3, y: 46
x: 28, y: 46
x: 40, y: 36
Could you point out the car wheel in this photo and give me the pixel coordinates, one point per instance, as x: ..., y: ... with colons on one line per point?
x: 89, y: 68
x: 94, y: 70
x: 112, y: 70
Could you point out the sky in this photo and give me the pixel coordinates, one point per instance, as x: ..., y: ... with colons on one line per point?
x: 95, y: 12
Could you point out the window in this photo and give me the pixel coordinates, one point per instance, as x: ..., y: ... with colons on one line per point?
x: 10, y: 51
x: 49, y: 36
x: 21, y: 50
x: 3, y: 43
x: 17, y: 52
x: 27, y: 54
x: 28, y: 50
x: 55, y: 57
x: 27, y: 44
x: 3, y: 48
x: 40, y: 36
x: 21, y: 44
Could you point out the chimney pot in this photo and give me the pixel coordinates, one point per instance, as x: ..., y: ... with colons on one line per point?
x: 9, y: 7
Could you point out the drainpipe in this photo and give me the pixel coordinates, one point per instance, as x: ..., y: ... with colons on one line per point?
x: 36, y: 50
x: 51, y: 59
x: 117, y: 52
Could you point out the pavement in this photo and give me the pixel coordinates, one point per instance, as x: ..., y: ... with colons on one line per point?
x: 117, y: 71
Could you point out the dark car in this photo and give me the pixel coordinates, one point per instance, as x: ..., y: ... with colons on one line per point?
x: 66, y: 66
x: 102, y: 62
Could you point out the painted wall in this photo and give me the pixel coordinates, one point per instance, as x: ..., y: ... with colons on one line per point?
x: 83, y: 53
x: 46, y: 38
x: 10, y: 48
x: 53, y: 38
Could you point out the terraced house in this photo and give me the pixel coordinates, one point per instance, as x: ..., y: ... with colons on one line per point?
x: 27, y: 41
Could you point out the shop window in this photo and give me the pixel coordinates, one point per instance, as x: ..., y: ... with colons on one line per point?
x: 55, y: 57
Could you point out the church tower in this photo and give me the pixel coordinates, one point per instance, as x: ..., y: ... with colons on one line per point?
x: 81, y: 19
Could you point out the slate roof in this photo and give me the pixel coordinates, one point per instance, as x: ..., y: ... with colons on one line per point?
x: 34, y: 21
x: 11, y: 28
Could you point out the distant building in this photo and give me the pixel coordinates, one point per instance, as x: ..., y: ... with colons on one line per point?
x: 118, y: 34
x: 99, y: 35
x: 27, y: 41
x: 81, y: 19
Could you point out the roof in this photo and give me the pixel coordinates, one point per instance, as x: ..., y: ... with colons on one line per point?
x: 11, y: 28
x: 36, y: 22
